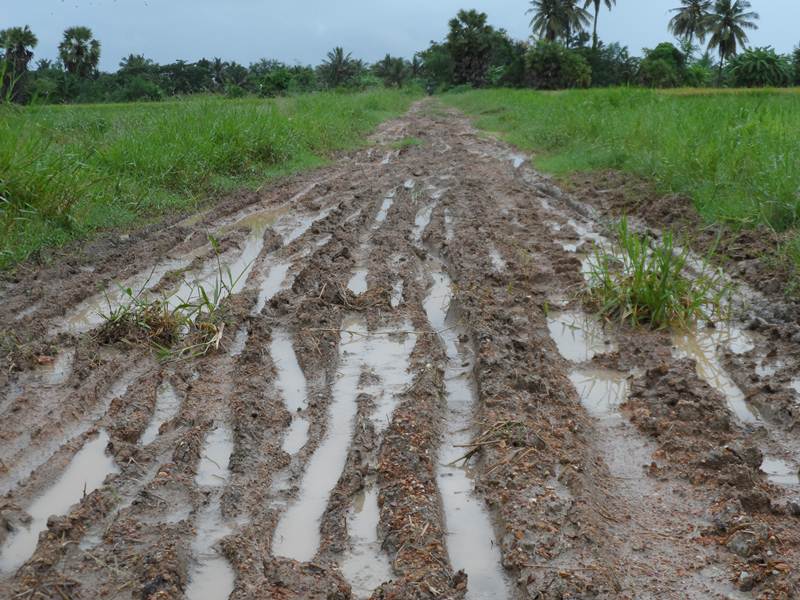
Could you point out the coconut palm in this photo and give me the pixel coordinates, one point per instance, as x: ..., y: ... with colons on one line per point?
x: 553, y: 19
x: 609, y: 4
x: 727, y: 25
x: 691, y: 20
x: 339, y: 68
x: 17, y: 44
x: 79, y: 51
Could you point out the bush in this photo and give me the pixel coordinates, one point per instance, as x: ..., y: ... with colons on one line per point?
x: 551, y: 66
x: 760, y: 67
x: 139, y: 88
x: 796, y: 61
x: 663, y: 66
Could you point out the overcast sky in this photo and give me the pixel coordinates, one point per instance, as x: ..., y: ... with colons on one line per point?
x: 302, y: 31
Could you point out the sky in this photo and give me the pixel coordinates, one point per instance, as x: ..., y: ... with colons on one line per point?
x: 302, y: 31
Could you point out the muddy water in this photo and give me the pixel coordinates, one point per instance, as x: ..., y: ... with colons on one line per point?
x: 601, y: 390
x: 383, y: 212
x: 421, y: 222
x: 579, y: 337
x: 292, y: 384
x: 471, y: 542
x: 271, y: 284
x: 167, y: 404
x: 365, y: 566
x: 213, y: 468
x: 397, y: 294
x: 297, y: 535
x: 211, y: 576
x: 85, y: 473
x: 780, y: 471
x: 358, y: 282
x: 703, y: 345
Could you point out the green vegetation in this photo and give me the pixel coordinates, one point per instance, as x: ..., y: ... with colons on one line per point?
x: 190, y: 327
x: 646, y: 283
x: 732, y: 153
x: 67, y: 171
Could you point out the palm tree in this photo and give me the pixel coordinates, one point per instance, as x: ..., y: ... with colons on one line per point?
x: 339, y: 68
x: 691, y: 20
x: 17, y: 44
x: 727, y: 25
x: 553, y: 19
x: 79, y: 51
x: 609, y: 4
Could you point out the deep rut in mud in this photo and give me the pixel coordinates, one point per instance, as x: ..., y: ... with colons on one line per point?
x: 408, y: 401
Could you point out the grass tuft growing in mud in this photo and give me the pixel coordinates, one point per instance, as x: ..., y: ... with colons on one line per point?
x: 646, y: 283
x: 176, y: 328
x: 66, y: 171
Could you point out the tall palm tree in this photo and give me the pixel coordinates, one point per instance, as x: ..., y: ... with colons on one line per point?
x: 79, y: 51
x: 727, y: 24
x: 339, y: 67
x: 609, y: 4
x: 17, y: 44
x: 691, y: 20
x: 554, y: 19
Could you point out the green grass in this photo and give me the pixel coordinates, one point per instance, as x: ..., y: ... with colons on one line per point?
x: 68, y: 171
x: 646, y: 283
x: 736, y: 154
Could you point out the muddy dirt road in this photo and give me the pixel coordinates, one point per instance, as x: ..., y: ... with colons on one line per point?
x: 408, y: 402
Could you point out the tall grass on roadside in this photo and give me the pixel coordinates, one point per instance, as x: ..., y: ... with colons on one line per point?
x: 66, y: 171
x: 646, y: 283
x: 736, y: 154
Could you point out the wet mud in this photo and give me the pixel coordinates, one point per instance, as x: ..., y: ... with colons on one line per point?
x: 408, y: 401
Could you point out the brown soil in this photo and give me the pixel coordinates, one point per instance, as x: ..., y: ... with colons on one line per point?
x: 663, y: 497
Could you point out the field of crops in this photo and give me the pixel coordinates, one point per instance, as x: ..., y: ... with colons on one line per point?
x: 68, y: 170
x: 735, y: 154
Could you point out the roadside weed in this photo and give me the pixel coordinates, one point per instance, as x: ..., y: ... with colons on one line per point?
x: 647, y: 283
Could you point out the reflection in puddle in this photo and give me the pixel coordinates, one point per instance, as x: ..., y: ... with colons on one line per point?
x: 297, y: 534
x: 388, y: 201
x: 449, y: 225
x: 271, y: 285
x: 211, y: 577
x: 358, y: 282
x: 601, y: 390
x: 779, y: 471
x: 497, y: 261
x: 701, y: 345
x: 365, y: 565
x: 292, y: 384
x: 765, y: 369
x: 239, y: 342
x: 421, y: 222
x: 85, y: 473
x: 471, y: 541
x: 579, y: 337
x: 167, y: 405
x: 397, y: 294
x: 213, y: 468
x: 58, y: 371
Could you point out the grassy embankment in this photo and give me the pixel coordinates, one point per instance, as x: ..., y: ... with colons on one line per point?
x: 737, y: 155
x: 66, y: 171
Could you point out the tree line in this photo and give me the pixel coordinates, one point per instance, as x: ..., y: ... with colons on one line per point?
x: 564, y: 51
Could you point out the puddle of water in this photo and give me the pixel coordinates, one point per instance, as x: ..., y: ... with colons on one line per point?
x: 271, y: 285
x: 211, y: 577
x: 388, y: 201
x: 795, y: 385
x: 296, y: 227
x: 85, y: 473
x: 397, y: 294
x: 518, y: 160
x: 409, y: 184
x: 358, y: 282
x: 297, y: 534
x: 579, y: 337
x: 701, y: 345
x: 449, y: 225
x: 779, y: 471
x: 292, y: 384
x: 213, y: 468
x: 601, y: 390
x: 765, y: 369
x: 365, y: 565
x: 239, y: 342
x: 497, y: 261
x: 259, y: 221
x: 471, y: 542
x: 167, y: 405
x: 58, y: 371
x: 421, y: 222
